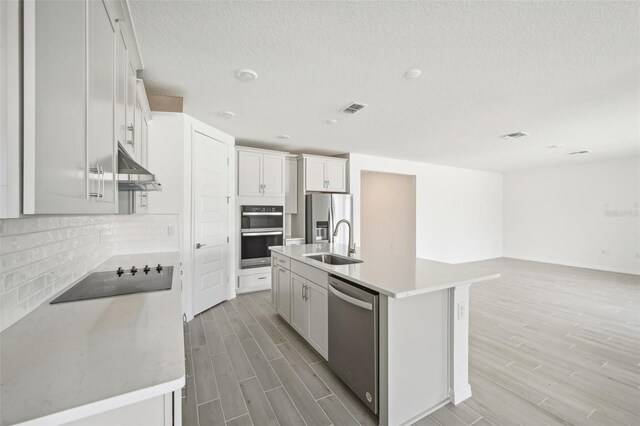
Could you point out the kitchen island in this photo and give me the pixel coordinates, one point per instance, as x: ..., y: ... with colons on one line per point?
x: 422, y: 324
x: 115, y: 360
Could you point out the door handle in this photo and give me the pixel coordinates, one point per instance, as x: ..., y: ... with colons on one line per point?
x: 198, y: 246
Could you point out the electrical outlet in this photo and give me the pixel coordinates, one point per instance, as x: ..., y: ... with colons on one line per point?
x: 460, y: 310
x: 605, y: 252
x: 171, y: 231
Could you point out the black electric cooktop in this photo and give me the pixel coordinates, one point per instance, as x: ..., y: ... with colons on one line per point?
x: 119, y: 282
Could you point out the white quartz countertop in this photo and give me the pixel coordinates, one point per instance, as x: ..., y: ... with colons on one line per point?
x: 391, y: 275
x: 70, y: 360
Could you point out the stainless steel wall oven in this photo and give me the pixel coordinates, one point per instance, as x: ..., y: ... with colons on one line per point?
x: 261, y: 227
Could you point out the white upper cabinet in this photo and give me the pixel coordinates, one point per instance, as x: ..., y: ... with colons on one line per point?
x: 122, y: 66
x: 314, y: 174
x: 101, y: 146
x: 325, y: 174
x: 291, y: 186
x: 335, y: 173
x: 69, y: 154
x: 273, y: 175
x: 260, y: 173
x: 249, y: 173
x: 131, y: 111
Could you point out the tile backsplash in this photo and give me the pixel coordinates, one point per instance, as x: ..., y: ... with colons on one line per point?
x: 40, y: 256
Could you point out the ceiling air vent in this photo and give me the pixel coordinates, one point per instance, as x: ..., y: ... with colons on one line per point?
x: 515, y: 135
x: 353, y: 108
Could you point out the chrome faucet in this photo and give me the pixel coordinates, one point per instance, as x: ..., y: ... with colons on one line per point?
x: 352, y: 246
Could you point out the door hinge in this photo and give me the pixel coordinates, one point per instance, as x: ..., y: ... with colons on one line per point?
x: 227, y: 239
x: 227, y: 161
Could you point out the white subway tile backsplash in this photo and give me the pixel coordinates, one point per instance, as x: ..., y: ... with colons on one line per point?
x: 39, y: 256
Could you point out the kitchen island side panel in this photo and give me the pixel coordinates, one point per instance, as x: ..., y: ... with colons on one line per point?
x: 414, y: 356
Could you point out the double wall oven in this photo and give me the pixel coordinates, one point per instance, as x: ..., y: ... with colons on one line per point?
x: 261, y: 227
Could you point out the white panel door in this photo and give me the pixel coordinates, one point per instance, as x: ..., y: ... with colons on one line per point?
x: 314, y: 174
x: 299, y: 306
x: 273, y: 175
x: 249, y: 173
x: 210, y: 222
x: 318, y: 318
x: 336, y: 176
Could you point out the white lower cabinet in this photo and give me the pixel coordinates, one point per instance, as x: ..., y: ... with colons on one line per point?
x: 303, y: 303
x: 163, y: 410
x: 299, y: 305
x: 283, y: 278
x: 253, y: 282
x: 318, y: 337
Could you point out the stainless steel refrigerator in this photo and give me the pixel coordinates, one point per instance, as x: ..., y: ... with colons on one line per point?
x: 322, y: 212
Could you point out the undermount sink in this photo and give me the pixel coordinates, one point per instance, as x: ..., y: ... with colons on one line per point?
x: 333, y: 259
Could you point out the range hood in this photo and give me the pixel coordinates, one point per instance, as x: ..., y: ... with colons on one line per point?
x: 132, y: 176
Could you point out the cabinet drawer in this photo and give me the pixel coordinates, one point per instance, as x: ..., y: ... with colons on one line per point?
x: 281, y: 260
x: 314, y: 275
x: 254, y: 282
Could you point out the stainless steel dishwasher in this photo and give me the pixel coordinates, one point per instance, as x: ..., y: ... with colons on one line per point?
x: 353, y: 338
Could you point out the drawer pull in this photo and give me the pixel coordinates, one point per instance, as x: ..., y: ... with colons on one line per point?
x: 282, y: 261
x: 262, y: 278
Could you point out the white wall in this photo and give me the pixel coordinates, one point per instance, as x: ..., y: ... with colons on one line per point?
x: 458, y: 211
x: 583, y: 215
x: 388, y: 212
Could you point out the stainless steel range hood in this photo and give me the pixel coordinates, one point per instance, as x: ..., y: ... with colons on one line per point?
x: 132, y: 176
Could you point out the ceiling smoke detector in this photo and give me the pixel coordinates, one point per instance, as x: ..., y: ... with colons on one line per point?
x: 515, y: 135
x: 555, y: 146
x: 353, y: 108
x: 414, y: 73
x: 332, y: 121
x: 578, y: 152
x: 283, y: 136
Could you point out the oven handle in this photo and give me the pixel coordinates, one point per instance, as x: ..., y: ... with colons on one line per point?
x: 255, y: 234
x: 261, y: 213
x: 272, y: 229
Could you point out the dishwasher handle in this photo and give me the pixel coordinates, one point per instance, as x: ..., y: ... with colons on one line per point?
x: 350, y: 299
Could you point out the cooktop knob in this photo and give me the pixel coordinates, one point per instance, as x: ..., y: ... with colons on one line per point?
x: 120, y: 271
x: 159, y: 268
x: 146, y: 269
x: 134, y: 270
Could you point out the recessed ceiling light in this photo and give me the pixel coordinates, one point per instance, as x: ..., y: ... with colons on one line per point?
x: 414, y: 73
x: 514, y: 135
x: 283, y: 136
x: 555, y: 146
x: 332, y: 121
x: 578, y: 152
x: 226, y: 114
x: 246, y: 75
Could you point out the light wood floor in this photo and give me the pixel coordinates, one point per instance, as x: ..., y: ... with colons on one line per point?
x: 548, y: 345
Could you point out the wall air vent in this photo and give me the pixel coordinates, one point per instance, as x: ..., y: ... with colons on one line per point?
x: 515, y: 135
x: 353, y: 108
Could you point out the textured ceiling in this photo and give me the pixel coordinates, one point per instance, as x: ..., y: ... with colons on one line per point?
x: 566, y: 72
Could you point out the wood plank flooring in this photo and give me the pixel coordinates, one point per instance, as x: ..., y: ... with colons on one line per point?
x: 548, y: 345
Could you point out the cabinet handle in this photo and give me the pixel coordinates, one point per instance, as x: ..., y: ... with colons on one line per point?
x: 95, y: 170
x: 282, y: 261
x: 262, y: 278
x: 133, y: 136
x: 101, y: 181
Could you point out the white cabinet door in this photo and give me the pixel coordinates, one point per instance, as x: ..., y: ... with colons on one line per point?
x: 55, y: 75
x: 318, y: 335
x: 291, y: 186
x: 130, y: 109
x: 272, y: 175
x: 299, y: 305
x: 284, y: 293
x: 314, y: 174
x: 336, y: 176
x: 101, y: 150
x: 122, y: 65
x: 249, y: 173
x: 274, y: 283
